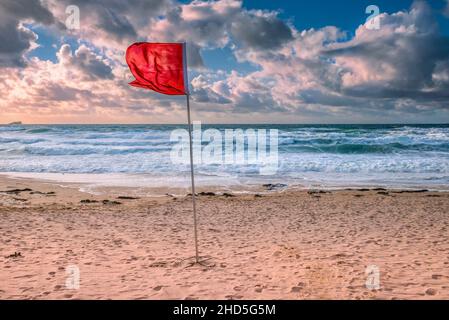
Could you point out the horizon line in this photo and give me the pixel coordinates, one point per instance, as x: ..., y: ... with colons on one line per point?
x: 292, y: 123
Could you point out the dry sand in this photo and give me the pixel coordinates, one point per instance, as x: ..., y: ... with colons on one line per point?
x: 284, y: 245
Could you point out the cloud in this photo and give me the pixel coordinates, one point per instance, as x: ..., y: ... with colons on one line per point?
x: 115, y: 24
x: 204, y: 23
x: 399, y: 60
x: 400, y: 71
x: 89, y: 65
x: 114, y: 20
x: 26, y: 9
x: 15, y: 38
x: 204, y: 92
x: 64, y: 91
x: 260, y: 30
x: 214, y: 23
x: 405, y: 60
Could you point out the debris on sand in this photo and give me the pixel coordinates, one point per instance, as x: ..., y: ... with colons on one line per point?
x: 15, y: 255
x: 111, y: 202
x: 88, y: 201
x: 51, y: 193
x: 317, y: 192
x: 17, y: 191
x: 20, y: 199
x: 228, y: 195
x: 412, y: 191
x: 207, y: 194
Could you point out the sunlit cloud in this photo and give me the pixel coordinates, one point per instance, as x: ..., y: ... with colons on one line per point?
x: 312, y: 75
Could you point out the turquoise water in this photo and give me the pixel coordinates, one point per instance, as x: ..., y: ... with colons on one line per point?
x: 318, y: 155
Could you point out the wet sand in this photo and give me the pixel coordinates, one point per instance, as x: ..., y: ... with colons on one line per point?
x: 276, y: 245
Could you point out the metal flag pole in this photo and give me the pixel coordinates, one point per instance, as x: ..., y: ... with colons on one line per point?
x: 192, y: 175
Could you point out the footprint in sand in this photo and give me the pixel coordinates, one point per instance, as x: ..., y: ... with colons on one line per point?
x: 233, y: 297
x: 431, y: 292
x: 296, y: 289
x: 161, y: 264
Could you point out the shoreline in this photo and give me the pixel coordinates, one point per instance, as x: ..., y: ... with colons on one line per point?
x: 90, y: 183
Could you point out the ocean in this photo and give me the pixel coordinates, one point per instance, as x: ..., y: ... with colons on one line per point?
x: 310, y: 156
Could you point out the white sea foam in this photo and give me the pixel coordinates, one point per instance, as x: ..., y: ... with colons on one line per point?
x: 308, y: 155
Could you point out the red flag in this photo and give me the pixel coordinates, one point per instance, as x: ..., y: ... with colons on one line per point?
x: 158, y: 66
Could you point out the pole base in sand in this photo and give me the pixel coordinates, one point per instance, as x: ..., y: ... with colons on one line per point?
x: 203, y: 261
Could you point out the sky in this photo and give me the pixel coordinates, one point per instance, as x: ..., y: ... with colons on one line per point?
x: 251, y: 61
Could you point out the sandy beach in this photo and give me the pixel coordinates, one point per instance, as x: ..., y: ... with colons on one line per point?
x: 280, y: 245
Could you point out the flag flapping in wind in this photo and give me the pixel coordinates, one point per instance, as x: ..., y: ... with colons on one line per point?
x: 162, y: 67
x: 158, y: 66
